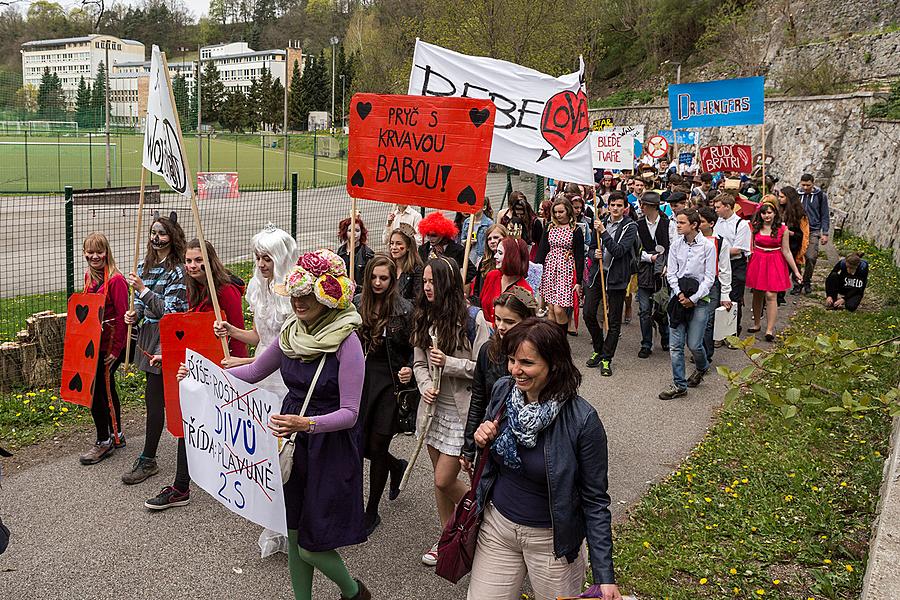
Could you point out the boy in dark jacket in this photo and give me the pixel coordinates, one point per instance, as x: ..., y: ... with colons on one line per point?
x: 615, y: 253
x: 846, y: 284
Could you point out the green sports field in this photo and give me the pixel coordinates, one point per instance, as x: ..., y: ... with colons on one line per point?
x: 49, y: 162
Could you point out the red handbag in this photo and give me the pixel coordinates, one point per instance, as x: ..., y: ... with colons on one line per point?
x: 456, y: 548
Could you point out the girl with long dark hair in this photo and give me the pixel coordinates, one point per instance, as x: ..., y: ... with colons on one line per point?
x: 447, y: 337
x: 385, y: 335
x: 158, y: 289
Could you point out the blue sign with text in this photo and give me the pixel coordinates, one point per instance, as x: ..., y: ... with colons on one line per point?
x: 722, y: 103
x: 684, y: 137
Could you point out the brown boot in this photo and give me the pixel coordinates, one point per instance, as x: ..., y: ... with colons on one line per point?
x: 362, y: 594
x: 98, y: 452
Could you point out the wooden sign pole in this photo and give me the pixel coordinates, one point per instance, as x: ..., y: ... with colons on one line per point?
x: 137, y: 258
x: 465, y: 265
x: 762, y: 131
x: 602, y: 273
x: 195, y: 211
x: 351, y: 240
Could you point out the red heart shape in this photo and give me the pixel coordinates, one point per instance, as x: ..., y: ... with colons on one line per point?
x: 564, y: 122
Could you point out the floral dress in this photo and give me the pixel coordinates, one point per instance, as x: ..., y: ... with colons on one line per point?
x: 557, y: 280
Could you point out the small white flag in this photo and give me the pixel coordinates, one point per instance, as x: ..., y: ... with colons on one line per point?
x: 163, y: 153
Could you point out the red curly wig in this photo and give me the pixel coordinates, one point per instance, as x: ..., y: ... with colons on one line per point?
x: 344, y: 231
x: 439, y: 225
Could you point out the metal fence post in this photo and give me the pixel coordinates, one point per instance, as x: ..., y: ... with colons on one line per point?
x: 208, y: 149
x: 26, y: 161
x: 263, y: 176
x: 315, y: 154
x: 70, y: 242
x: 538, y: 191
x: 294, y: 205
x: 90, y: 161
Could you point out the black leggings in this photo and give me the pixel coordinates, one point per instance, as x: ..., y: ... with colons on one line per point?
x: 156, y: 413
x: 100, y: 403
x: 381, y: 462
x: 182, y: 476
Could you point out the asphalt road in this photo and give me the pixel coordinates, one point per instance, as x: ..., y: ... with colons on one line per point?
x: 79, y: 533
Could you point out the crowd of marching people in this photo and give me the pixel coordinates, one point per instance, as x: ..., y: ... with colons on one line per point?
x: 471, y: 352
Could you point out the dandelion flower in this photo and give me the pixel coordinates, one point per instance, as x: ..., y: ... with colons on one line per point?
x: 703, y: 581
x: 849, y: 568
x: 733, y: 571
x: 827, y: 561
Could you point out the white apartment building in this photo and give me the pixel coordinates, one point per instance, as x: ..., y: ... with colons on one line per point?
x: 73, y: 58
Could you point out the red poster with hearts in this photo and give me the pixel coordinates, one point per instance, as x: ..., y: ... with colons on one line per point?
x: 419, y: 150
x: 81, y: 350
x: 736, y: 158
x: 177, y: 332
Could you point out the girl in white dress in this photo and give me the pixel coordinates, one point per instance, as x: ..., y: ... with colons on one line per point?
x: 275, y: 253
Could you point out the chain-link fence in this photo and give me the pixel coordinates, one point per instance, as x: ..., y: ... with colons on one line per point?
x: 36, y: 161
x: 41, y: 259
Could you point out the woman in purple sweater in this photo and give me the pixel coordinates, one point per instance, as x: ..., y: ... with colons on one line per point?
x: 324, y: 495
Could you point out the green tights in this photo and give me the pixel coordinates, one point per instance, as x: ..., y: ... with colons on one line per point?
x: 302, y: 563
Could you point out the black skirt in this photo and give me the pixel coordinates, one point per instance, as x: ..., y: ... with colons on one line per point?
x: 379, y: 402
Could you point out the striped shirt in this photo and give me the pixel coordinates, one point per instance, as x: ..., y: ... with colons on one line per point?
x: 161, y: 283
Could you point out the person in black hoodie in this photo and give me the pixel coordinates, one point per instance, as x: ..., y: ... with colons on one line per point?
x: 510, y: 308
x: 438, y: 234
x: 617, y: 238
x: 846, y: 284
x: 655, y: 231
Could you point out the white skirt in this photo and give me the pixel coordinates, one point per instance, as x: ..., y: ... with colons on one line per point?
x: 447, y: 430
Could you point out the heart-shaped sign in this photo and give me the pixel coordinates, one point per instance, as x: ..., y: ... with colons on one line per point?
x: 81, y: 312
x: 363, y: 109
x: 478, y: 117
x: 89, y: 351
x: 179, y: 334
x: 467, y: 196
x: 357, y: 179
x: 564, y: 122
x: 75, y: 384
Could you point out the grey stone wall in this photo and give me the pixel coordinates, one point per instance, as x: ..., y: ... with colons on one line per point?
x: 856, y: 59
x: 852, y: 158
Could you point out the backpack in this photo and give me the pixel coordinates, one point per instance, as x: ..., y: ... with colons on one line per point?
x: 472, y: 324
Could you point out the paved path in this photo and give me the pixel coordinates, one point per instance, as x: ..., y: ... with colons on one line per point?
x: 79, y: 533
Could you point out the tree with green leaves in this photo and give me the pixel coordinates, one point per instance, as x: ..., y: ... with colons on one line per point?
x: 276, y: 104
x: 83, y: 104
x: 98, y: 98
x: 254, y: 102
x: 51, y: 100
x: 212, y: 93
x: 296, y: 120
x: 234, y: 114
x: 263, y: 116
x: 182, y: 101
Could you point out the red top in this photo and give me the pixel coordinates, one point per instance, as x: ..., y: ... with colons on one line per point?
x: 490, y: 291
x: 230, y: 303
x: 114, y: 330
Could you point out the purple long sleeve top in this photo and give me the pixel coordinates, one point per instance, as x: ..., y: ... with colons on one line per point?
x: 351, y: 373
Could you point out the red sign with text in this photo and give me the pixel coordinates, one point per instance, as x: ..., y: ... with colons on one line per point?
x: 177, y: 332
x: 736, y: 158
x: 418, y: 150
x: 81, y: 349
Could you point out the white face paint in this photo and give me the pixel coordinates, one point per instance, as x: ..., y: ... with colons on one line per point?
x: 498, y: 255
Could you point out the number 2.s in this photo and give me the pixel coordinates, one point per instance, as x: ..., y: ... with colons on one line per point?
x: 241, y: 502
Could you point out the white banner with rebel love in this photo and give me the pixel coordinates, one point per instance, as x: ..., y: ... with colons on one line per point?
x: 610, y: 150
x: 163, y: 151
x: 231, y: 452
x: 542, y: 122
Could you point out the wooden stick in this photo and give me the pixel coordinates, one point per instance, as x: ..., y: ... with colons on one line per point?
x: 602, y: 274
x: 465, y: 265
x: 195, y: 211
x: 137, y: 257
x: 762, y: 131
x: 429, y: 419
x: 351, y: 240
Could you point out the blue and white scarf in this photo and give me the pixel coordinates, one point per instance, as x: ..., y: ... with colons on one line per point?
x: 524, y: 423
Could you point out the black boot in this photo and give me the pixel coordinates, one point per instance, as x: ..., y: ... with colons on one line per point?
x: 362, y: 594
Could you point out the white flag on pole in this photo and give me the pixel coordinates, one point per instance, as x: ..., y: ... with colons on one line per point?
x: 542, y: 122
x: 163, y: 153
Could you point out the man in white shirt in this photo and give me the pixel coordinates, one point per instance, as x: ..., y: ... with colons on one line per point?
x: 402, y: 213
x: 736, y: 231
x: 691, y: 273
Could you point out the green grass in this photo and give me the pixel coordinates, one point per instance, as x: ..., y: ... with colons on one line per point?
x: 772, y: 507
x: 54, y: 162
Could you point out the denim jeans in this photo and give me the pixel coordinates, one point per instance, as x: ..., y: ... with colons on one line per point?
x: 715, y: 296
x: 692, y: 334
x: 648, y: 318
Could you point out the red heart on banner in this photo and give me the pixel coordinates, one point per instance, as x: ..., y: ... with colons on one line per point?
x: 564, y: 122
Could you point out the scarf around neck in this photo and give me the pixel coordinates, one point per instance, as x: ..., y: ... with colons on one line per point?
x: 525, y: 422
x: 297, y: 340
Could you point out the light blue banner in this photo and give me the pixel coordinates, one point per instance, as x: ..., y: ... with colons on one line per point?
x: 722, y: 103
x: 685, y: 138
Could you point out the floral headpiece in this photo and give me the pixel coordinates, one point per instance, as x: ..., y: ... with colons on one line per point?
x: 321, y: 273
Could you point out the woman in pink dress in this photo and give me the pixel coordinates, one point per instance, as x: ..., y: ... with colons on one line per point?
x: 561, y: 251
x: 767, y: 271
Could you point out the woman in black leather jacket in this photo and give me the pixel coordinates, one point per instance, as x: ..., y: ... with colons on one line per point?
x: 515, y: 305
x: 544, y: 486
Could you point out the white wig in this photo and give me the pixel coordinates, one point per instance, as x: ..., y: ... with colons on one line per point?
x: 282, y: 249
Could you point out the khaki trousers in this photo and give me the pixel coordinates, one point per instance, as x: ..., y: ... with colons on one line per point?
x: 507, y: 551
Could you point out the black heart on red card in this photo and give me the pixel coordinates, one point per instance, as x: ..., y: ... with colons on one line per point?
x: 479, y: 117
x: 357, y: 179
x: 75, y: 383
x: 89, y: 351
x: 467, y: 196
x: 363, y: 109
x: 81, y: 312
x: 564, y: 122
x: 179, y: 335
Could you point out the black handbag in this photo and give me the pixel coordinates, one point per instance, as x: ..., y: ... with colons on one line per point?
x: 407, y: 395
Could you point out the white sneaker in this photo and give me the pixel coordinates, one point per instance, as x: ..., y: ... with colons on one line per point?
x: 429, y: 559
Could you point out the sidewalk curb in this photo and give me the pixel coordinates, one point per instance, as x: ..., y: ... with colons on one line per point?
x: 882, y: 578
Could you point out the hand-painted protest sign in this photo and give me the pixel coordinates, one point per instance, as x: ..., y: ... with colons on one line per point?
x: 179, y: 332
x: 435, y: 150
x: 81, y: 349
x: 163, y: 153
x: 686, y: 158
x: 609, y: 150
x: 542, y: 121
x: 231, y: 452
x: 636, y: 132
x: 657, y: 146
x: 601, y: 124
x: 719, y: 103
x: 217, y: 186
x: 682, y: 137
x: 738, y: 158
